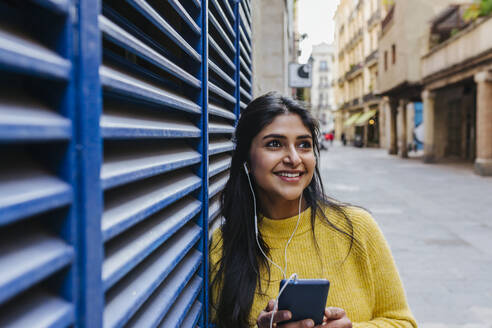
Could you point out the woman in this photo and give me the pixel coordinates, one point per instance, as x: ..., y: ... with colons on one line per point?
x: 277, y: 148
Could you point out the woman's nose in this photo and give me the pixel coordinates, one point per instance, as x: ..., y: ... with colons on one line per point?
x: 292, y: 157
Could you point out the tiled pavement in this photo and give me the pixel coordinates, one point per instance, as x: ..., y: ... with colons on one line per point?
x: 438, y: 221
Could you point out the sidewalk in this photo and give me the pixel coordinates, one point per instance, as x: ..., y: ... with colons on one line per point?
x: 437, y: 219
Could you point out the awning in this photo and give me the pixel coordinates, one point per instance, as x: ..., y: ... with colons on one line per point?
x: 351, y: 120
x: 362, y: 120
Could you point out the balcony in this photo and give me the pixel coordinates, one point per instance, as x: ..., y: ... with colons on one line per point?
x: 373, y: 56
x: 370, y: 97
x: 388, y: 18
x: 375, y: 17
x: 354, y: 102
x: 354, y: 69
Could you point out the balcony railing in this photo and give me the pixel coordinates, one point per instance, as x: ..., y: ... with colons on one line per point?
x: 375, y: 17
x: 353, y: 69
x: 370, y: 97
x: 388, y: 18
x: 372, y: 56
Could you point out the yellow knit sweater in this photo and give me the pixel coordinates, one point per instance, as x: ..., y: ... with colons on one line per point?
x: 366, y: 285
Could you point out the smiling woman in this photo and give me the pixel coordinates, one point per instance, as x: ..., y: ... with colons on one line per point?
x: 295, y: 225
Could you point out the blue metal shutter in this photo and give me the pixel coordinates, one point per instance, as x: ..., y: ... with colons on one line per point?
x: 222, y: 100
x: 245, y: 58
x: 37, y: 212
x: 151, y: 125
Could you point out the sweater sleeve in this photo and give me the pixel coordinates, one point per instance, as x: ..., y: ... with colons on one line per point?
x: 390, y: 305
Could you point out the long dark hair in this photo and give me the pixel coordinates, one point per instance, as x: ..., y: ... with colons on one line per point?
x: 237, y: 274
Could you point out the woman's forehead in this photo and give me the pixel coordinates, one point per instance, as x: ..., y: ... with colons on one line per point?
x: 286, y: 124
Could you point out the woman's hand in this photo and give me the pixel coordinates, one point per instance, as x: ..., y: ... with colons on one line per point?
x: 334, y: 318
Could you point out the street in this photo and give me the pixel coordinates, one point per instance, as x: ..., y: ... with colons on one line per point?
x: 437, y: 219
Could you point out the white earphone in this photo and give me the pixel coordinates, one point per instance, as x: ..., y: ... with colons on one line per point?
x: 284, y: 271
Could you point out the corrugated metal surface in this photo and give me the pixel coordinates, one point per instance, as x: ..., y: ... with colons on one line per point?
x: 37, y: 218
x: 116, y: 119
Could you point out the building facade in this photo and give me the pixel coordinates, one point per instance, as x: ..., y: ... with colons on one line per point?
x: 457, y: 90
x: 403, y: 40
x: 356, y: 44
x: 273, y: 45
x: 322, y: 99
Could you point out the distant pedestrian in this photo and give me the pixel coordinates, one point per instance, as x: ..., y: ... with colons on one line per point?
x: 344, y: 140
x: 330, y: 137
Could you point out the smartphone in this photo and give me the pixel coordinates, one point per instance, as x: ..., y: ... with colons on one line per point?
x: 305, y: 299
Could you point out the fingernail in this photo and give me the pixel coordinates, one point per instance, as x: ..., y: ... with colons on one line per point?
x: 310, y: 323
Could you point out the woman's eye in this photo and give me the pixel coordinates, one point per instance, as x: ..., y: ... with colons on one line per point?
x: 305, y: 144
x: 273, y: 144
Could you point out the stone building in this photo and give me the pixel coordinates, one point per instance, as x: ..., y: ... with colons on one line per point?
x: 403, y: 40
x: 356, y: 42
x: 457, y: 91
x: 321, y: 95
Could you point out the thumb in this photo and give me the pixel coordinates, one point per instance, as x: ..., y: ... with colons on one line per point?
x: 334, y: 313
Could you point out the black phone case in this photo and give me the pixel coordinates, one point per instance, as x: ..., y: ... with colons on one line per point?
x: 305, y: 299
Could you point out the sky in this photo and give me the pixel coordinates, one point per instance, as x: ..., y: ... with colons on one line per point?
x: 316, y: 19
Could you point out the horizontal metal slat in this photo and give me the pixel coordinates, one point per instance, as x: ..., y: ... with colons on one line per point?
x: 163, y: 298
x: 244, y: 40
x: 247, y: 11
x: 221, y: 73
x: 244, y: 53
x: 180, y: 309
x: 229, y: 10
x: 20, y: 53
x: 245, y: 94
x: 242, y: 105
x: 28, y: 258
x: 244, y: 79
x: 185, y: 16
x: 197, y: 3
x: 152, y: 15
x: 217, y: 183
x: 244, y: 22
x: 221, y: 32
x: 221, y: 53
x: 193, y: 315
x: 219, y: 164
x: 23, y: 119
x: 245, y: 66
x: 128, y: 296
x: 223, y: 17
x: 58, y: 6
x: 117, y: 126
x: 219, y: 111
x: 129, y: 86
x: 129, y: 207
x: 126, y: 167
x: 218, y: 91
x: 214, y: 127
x: 25, y: 191
x: 37, y: 309
x: 213, y: 208
x: 129, y: 42
x: 125, y: 253
x: 220, y: 146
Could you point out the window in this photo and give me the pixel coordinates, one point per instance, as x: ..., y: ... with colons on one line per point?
x: 385, y: 60
x: 393, y: 54
x: 323, y: 65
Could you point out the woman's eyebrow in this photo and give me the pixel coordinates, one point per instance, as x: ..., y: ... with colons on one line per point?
x: 280, y: 136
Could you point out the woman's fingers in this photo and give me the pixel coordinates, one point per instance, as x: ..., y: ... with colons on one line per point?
x: 334, y: 313
x: 265, y: 317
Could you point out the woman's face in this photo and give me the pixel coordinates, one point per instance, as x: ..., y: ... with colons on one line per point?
x: 282, y: 159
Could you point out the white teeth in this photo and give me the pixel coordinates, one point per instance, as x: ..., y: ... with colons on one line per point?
x: 289, y: 175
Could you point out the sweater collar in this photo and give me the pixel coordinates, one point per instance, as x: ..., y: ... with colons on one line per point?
x: 283, y: 228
